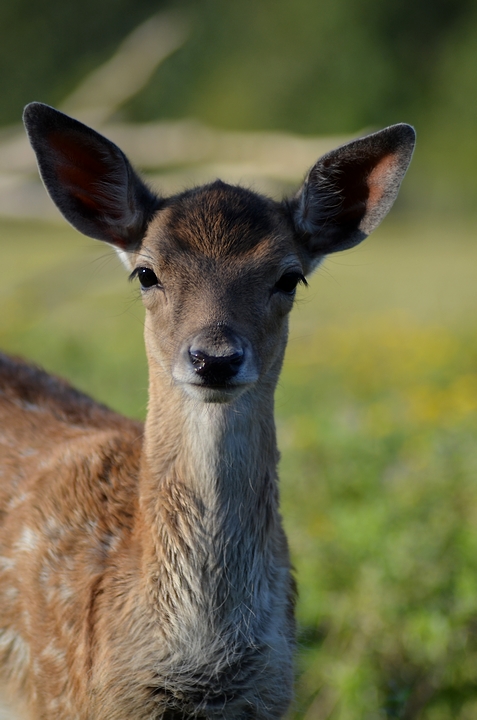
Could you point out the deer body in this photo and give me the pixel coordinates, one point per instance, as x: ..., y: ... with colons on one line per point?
x: 191, y: 617
x: 144, y: 572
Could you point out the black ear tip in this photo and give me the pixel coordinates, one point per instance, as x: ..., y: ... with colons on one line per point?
x: 408, y: 131
x: 33, y: 109
x: 405, y: 134
x: 39, y: 116
x: 34, y: 112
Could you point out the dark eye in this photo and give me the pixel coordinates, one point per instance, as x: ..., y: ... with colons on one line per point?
x: 288, y: 282
x: 146, y: 276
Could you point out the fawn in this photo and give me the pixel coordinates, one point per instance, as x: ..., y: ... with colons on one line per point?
x: 144, y: 571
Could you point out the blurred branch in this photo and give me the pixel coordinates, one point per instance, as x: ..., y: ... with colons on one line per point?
x: 187, y: 142
x: 128, y: 71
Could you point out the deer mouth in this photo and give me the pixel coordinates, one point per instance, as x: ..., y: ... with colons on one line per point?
x: 215, y: 392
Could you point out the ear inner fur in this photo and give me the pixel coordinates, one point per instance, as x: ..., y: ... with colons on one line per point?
x: 350, y: 190
x: 89, y: 178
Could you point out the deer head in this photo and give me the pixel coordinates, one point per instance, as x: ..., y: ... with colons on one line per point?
x: 218, y: 265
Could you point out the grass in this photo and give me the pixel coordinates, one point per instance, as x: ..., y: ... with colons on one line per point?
x: 380, y: 500
x: 376, y: 413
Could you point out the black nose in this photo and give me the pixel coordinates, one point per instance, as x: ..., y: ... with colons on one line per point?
x: 216, y: 370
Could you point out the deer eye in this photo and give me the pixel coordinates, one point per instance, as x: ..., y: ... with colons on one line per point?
x: 146, y: 276
x: 288, y: 282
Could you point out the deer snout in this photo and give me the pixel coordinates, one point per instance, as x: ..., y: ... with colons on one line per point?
x: 216, y: 355
x: 216, y: 360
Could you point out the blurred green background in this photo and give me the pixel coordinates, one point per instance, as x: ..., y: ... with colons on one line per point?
x: 376, y: 408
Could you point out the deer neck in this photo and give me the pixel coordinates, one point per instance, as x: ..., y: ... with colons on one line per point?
x: 221, y: 454
x: 209, y: 495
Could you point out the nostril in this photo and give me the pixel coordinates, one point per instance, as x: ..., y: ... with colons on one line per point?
x: 216, y: 369
x: 198, y: 359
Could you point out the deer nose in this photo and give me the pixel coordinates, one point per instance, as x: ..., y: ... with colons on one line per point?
x: 216, y: 369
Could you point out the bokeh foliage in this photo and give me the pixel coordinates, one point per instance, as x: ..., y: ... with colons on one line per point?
x: 48, y: 46
x: 381, y: 502
x: 331, y: 66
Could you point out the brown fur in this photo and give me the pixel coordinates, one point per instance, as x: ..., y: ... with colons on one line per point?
x: 144, y: 572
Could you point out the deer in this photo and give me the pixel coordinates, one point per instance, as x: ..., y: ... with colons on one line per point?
x: 144, y: 569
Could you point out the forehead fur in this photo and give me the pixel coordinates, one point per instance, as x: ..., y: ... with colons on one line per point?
x: 219, y: 218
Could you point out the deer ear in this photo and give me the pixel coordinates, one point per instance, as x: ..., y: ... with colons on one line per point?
x: 89, y: 179
x: 350, y: 190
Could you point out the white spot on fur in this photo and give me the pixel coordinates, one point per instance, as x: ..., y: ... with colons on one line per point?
x: 6, y: 563
x: 28, y: 540
x: 66, y: 592
x: 10, y: 593
x: 13, y: 644
x: 53, y: 653
x: 18, y: 500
